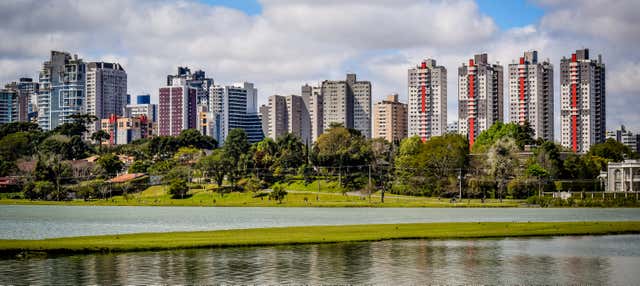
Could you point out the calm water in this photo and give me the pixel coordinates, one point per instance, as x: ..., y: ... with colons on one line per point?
x: 33, y: 222
x: 595, y: 260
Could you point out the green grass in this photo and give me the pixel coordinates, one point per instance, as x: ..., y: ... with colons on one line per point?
x: 157, y: 196
x: 311, y: 234
x: 325, y: 187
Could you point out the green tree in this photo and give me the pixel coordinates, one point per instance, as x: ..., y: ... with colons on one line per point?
x: 77, y: 148
x: 236, y: 148
x: 502, y: 162
x: 188, y: 155
x: 265, y: 155
x: 100, y: 136
x: 139, y: 166
x: 15, y: 127
x: 340, y: 147
x: 110, y: 164
x: 162, y: 147
x: 194, y: 139
x: 522, y: 135
x: 278, y: 193
x: 77, y: 127
x: 178, y: 188
x: 216, y: 165
x: 611, y: 150
x: 538, y: 172
x: 291, y: 151
x: 41, y: 190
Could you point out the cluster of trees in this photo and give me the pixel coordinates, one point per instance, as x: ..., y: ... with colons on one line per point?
x: 441, y: 166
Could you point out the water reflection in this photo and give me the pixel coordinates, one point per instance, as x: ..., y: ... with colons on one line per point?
x: 562, y: 260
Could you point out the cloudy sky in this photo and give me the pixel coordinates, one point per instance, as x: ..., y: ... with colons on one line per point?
x: 282, y: 44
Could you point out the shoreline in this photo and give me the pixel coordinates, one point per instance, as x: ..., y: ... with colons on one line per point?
x: 308, y: 235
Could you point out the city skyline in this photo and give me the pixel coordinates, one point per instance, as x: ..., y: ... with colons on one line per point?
x: 265, y: 48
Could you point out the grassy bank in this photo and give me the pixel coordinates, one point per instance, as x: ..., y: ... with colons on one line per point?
x: 306, y: 235
x: 157, y: 196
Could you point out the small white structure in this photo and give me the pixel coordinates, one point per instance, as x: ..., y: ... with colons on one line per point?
x: 622, y: 176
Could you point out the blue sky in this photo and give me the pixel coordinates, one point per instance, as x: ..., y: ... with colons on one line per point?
x: 506, y: 13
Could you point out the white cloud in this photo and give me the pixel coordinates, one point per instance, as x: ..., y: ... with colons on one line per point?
x: 293, y: 42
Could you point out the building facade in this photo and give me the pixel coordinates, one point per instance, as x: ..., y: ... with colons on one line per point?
x: 176, y: 109
x: 286, y: 114
x: 582, y: 101
x: 196, y: 80
x: 312, y: 98
x: 235, y: 106
x: 27, y: 93
x: 347, y: 102
x: 531, y: 94
x: 124, y: 130
x: 480, y: 96
x: 623, y: 176
x: 106, y: 89
x: 625, y: 137
x: 390, y: 119
x: 62, y: 90
x: 427, y: 86
x: 10, y: 108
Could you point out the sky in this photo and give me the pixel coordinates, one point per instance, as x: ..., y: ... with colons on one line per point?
x: 282, y: 44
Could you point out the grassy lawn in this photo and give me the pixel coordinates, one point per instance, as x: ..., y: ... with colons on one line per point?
x: 312, y: 234
x: 157, y: 196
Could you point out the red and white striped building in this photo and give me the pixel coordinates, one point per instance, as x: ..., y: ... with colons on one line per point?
x: 480, y: 96
x: 427, y: 100
x: 582, y: 101
x: 531, y: 94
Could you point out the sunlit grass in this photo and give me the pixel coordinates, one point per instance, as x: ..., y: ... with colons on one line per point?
x: 311, y: 234
x: 157, y: 196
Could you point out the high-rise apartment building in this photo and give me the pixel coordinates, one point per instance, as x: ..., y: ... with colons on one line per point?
x: 106, y: 89
x: 277, y: 120
x: 312, y: 98
x: 286, y: 114
x: 196, y: 80
x: 10, y: 107
x: 531, y: 94
x: 62, y: 90
x: 480, y: 96
x: 390, y: 119
x: 27, y: 93
x: 347, y: 102
x: 235, y: 106
x: 427, y: 84
x: 176, y: 109
x: 625, y: 137
x: 582, y: 101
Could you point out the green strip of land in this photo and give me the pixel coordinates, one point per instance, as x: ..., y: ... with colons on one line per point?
x: 311, y: 234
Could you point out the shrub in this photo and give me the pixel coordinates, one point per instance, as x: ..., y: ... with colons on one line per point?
x: 278, y: 193
x: 178, y: 188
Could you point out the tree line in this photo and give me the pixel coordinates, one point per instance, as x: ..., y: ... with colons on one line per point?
x: 442, y: 166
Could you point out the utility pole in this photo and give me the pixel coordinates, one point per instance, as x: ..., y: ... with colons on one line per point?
x: 460, y: 179
x: 369, y: 182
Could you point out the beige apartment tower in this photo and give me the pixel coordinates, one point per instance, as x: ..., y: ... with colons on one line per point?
x: 390, y: 119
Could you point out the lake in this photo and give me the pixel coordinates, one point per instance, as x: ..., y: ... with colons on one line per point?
x: 36, y: 222
x: 577, y: 260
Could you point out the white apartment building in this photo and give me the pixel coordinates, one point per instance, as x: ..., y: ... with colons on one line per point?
x: 480, y: 96
x: 427, y: 86
x: 531, y: 94
x: 582, y: 101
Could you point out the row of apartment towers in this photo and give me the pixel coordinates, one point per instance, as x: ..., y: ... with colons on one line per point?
x: 480, y: 102
x: 69, y: 86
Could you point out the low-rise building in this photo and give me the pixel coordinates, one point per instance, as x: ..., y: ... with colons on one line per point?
x: 126, y: 129
x: 622, y: 176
